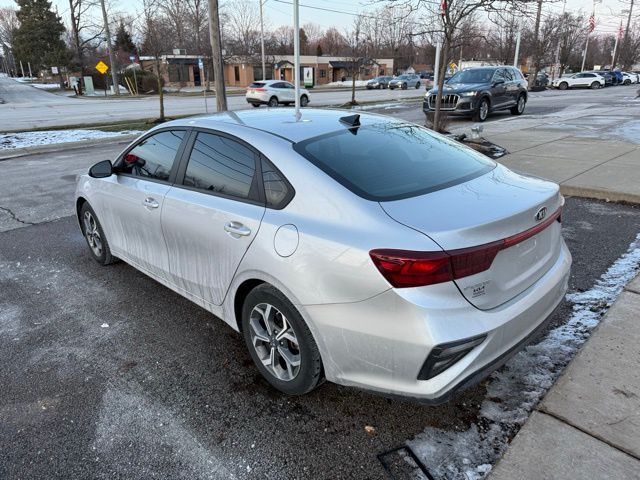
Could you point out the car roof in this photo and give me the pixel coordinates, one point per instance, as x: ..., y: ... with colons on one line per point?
x: 282, y: 122
x: 269, y: 82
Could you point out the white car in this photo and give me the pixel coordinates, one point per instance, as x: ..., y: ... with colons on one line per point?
x: 629, y: 78
x: 582, y: 79
x: 275, y: 92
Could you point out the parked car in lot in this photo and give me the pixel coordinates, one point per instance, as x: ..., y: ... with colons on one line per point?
x: 478, y: 91
x: 577, y: 80
x: 405, y: 81
x: 274, y: 92
x: 454, y: 261
x: 629, y: 78
x: 609, y: 78
x: 379, y: 82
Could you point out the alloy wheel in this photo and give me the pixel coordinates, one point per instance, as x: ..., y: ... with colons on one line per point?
x: 521, y: 104
x: 92, y: 234
x: 484, y: 109
x: 275, y: 342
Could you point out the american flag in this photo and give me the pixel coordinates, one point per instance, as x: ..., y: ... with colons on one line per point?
x: 592, y: 22
x: 620, y: 31
x: 443, y: 8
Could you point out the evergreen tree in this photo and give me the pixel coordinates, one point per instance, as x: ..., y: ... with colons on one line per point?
x: 124, y: 42
x: 38, y: 39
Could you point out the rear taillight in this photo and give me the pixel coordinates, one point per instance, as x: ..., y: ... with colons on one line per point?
x: 259, y: 89
x: 407, y: 268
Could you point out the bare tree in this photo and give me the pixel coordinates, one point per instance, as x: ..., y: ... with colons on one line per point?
x: 8, y: 24
x: 85, y: 30
x: 176, y: 14
x: 571, y: 37
x: 332, y: 42
x: 197, y: 20
x: 356, y: 53
x: 241, y: 29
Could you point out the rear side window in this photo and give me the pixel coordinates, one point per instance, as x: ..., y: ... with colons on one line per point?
x: 153, y: 157
x: 391, y: 161
x: 257, y: 85
x: 221, y: 165
x: 277, y: 190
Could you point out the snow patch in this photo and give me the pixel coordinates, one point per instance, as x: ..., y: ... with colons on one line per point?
x: 9, y: 141
x: 516, y: 389
x: 347, y: 83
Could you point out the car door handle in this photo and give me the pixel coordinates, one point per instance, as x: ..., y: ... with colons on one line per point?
x: 150, y: 203
x: 236, y: 229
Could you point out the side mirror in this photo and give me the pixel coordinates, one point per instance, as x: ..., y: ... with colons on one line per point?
x: 101, y: 169
x: 498, y: 82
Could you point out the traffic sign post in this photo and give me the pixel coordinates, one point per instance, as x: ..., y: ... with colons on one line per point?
x: 132, y: 59
x: 103, y: 68
x: 204, y: 88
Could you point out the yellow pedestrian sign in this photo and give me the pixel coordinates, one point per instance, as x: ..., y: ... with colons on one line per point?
x: 102, y: 67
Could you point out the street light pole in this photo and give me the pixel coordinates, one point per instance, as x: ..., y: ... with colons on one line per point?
x: 556, y: 65
x: 112, y: 59
x: 264, y: 70
x: 517, y: 52
x: 296, y: 53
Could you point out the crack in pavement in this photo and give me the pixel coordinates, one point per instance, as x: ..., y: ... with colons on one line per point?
x: 15, y: 217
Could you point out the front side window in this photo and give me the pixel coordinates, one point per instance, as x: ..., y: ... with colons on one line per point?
x: 153, y: 157
x: 221, y: 165
x: 390, y: 161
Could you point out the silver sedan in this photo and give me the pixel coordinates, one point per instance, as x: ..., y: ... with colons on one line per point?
x: 359, y: 249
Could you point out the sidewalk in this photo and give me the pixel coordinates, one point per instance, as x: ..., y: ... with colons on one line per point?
x: 590, y: 152
x: 588, y: 426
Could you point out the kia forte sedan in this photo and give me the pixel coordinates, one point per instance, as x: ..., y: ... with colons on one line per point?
x: 360, y: 249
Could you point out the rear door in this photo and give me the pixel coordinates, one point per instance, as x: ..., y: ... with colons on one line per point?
x: 212, y: 214
x: 132, y: 200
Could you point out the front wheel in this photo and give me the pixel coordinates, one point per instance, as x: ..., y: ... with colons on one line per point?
x: 482, y: 112
x: 280, y: 342
x: 304, y: 101
x: 404, y: 86
x: 563, y: 86
x: 518, y: 108
x: 417, y: 85
x: 94, y: 236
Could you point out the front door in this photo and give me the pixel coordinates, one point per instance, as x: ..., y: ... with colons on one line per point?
x: 134, y: 198
x: 499, y: 90
x: 211, y: 216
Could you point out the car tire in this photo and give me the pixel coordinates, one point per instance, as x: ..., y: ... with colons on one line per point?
x: 304, y: 101
x: 518, y: 108
x: 627, y: 82
x: 594, y: 86
x: 482, y: 112
x: 255, y: 105
x: 417, y: 85
x: 563, y: 86
x: 94, y: 236
x: 404, y: 86
x: 273, y: 102
x: 266, y: 317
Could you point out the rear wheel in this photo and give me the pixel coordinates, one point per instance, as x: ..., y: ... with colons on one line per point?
x: 280, y: 342
x: 94, y: 235
x: 417, y: 85
x: 563, y: 86
x: 518, y: 108
x: 273, y: 102
x: 255, y: 105
x: 482, y: 112
x: 595, y: 86
x: 627, y: 82
x: 304, y: 101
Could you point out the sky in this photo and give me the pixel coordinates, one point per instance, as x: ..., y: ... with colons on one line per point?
x: 280, y: 12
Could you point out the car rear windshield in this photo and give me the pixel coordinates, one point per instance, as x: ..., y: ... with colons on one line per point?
x: 473, y: 76
x: 257, y: 85
x: 391, y: 161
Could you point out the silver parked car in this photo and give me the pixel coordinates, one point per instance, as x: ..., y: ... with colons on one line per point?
x: 361, y: 249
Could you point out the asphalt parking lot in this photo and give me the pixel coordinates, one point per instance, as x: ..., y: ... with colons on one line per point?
x: 107, y: 374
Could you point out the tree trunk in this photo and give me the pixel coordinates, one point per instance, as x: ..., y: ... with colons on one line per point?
x: 536, y: 48
x: 216, y: 56
x: 444, y: 62
x: 160, y: 92
x: 353, y: 89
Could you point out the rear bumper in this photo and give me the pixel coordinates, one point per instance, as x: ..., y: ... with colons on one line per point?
x: 382, y: 343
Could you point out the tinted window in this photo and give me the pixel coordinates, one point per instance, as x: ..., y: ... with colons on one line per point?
x: 508, y: 75
x: 389, y: 161
x: 219, y: 164
x: 257, y: 85
x: 154, y: 156
x: 481, y: 75
x: 275, y: 187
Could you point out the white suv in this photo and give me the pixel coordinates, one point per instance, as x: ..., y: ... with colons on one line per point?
x: 274, y: 92
x: 582, y: 79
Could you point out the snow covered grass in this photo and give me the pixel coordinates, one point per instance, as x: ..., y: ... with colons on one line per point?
x: 517, y: 388
x: 46, y: 86
x: 347, y: 83
x: 9, y: 141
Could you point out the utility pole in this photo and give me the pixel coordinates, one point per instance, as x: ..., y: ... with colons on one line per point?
x: 556, y: 64
x: 112, y: 59
x: 296, y: 54
x: 536, y: 47
x: 615, y: 48
x: 264, y: 70
x: 517, y: 52
x: 216, y: 56
x: 436, y: 66
x: 625, y: 43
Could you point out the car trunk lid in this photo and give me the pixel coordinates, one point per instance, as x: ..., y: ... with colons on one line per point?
x: 498, y: 206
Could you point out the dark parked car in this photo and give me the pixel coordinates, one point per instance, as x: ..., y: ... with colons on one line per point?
x: 478, y: 91
x: 609, y: 78
x: 405, y: 81
x: 379, y: 82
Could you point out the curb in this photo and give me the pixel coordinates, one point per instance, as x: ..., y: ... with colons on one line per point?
x: 56, y: 147
x: 599, y: 194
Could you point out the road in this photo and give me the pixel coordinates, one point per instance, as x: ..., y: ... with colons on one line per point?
x: 24, y: 109
x: 167, y: 390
